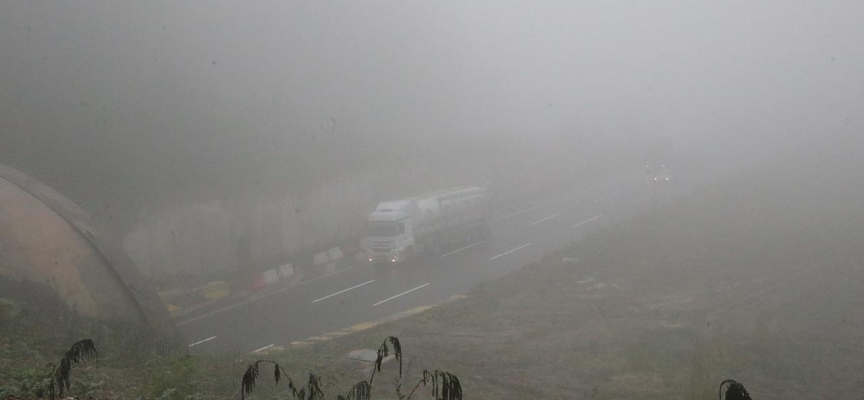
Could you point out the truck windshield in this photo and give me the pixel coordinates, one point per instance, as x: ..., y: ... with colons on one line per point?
x: 381, y: 229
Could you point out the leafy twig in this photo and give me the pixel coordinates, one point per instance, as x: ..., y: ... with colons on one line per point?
x: 734, y: 391
x: 360, y: 391
x: 448, y: 389
x: 79, y: 352
x: 250, y: 377
x: 384, y: 351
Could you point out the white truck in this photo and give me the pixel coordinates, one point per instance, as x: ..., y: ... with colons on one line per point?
x: 400, y: 230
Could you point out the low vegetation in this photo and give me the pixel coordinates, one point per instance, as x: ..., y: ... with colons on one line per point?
x: 758, y: 280
x: 444, y: 385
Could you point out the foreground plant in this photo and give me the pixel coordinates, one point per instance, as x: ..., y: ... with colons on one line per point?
x: 445, y: 386
x: 449, y: 387
x: 79, y: 352
x: 734, y: 391
x: 312, y: 391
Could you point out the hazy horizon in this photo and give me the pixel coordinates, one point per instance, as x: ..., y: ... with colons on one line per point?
x: 120, y: 100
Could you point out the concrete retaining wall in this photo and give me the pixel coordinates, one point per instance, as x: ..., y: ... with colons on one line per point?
x: 47, y: 240
x: 257, y: 232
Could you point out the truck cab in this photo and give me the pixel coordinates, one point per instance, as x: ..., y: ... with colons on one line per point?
x: 399, y: 230
x: 389, y: 233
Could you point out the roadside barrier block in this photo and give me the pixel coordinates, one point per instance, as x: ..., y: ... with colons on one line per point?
x: 183, y: 297
x: 334, y: 254
x: 215, y: 290
x: 270, y: 277
x: 320, y: 258
x: 257, y: 283
x: 350, y: 250
x: 173, y: 310
x: 298, y: 277
x: 286, y: 271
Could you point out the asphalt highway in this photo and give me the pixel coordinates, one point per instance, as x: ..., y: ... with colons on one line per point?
x: 365, y: 294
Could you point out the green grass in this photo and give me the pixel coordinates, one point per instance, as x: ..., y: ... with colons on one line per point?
x: 753, y: 279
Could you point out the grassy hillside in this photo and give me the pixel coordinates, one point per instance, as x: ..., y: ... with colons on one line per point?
x: 757, y: 279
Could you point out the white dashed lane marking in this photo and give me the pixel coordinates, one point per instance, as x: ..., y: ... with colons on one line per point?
x: 510, y: 251
x: 203, y: 341
x: 641, y: 198
x: 263, y: 348
x: 464, y: 248
x: 605, y: 197
x: 545, y: 219
x: 588, y: 220
x: 343, y: 291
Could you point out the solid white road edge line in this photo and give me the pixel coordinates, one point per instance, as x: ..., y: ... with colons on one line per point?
x: 464, y: 248
x: 587, y: 220
x: 202, y: 341
x: 343, y: 291
x: 401, y: 294
x: 545, y: 219
x: 510, y: 251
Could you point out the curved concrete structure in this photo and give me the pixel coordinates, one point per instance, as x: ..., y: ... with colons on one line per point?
x: 47, y: 240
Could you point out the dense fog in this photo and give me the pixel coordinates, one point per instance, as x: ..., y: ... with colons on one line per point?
x: 127, y: 107
x: 549, y: 199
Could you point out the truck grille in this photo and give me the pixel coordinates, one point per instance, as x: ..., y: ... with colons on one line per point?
x: 380, y: 245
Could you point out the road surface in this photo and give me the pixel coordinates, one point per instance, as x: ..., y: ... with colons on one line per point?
x: 363, y: 294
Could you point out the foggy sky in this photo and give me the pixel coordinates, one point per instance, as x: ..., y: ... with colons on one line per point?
x: 108, y: 98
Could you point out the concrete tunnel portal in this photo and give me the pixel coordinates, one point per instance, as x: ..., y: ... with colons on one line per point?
x: 48, y: 241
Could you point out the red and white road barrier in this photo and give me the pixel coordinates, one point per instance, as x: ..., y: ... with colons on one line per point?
x: 270, y: 277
